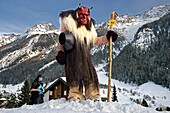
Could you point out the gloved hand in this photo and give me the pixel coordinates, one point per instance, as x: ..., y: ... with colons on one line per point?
x: 40, y: 93
x: 112, y: 34
x: 61, y: 57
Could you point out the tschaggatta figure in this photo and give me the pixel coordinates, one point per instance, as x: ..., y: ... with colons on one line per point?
x: 77, y: 37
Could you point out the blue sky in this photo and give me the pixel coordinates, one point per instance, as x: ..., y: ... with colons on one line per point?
x: 16, y: 16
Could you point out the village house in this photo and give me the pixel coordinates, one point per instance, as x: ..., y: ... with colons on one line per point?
x: 57, y: 89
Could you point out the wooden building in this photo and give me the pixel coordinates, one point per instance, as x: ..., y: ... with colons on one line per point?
x: 57, y: 89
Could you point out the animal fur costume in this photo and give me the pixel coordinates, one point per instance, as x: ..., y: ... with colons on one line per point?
x: 79, y: 70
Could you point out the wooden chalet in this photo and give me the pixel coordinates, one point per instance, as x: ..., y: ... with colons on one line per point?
x: 57, y: 89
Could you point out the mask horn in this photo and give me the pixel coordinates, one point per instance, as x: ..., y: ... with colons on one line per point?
x: 79, y: 5
x: 90, y: 8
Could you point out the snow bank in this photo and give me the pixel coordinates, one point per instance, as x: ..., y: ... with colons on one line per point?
x: 11, y: 88
x: 124, y: 104
x: 63, y: 106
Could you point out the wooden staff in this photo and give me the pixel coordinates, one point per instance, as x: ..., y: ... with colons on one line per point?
x: 111, y: 22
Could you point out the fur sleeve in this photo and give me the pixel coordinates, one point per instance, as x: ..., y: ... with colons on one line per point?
x: 99, y: 41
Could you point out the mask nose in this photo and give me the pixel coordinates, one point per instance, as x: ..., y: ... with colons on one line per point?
x: 84, y: 16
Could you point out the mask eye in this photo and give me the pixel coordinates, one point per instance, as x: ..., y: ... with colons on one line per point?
x: 80, y: 15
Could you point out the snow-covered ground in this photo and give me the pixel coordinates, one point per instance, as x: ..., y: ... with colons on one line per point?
x: 47, y: 65
x: 63, y: 106
x: 10, y: 88
x: 126, y: 93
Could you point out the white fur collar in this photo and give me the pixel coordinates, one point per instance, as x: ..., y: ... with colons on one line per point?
x: 68, y: 23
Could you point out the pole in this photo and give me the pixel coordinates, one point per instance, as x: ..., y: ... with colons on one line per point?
x: 112, y: 22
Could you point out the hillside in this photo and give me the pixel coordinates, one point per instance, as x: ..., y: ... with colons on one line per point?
x: 147, y: 57
x: 26, y: 55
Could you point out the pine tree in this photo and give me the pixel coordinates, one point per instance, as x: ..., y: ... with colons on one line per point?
x: 12, y: 102
x: 24, y: 96
x: 144, y: 103
x: 114, y: 97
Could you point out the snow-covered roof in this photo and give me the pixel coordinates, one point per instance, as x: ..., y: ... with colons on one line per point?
x: 63, y: 79
x: 2, y: 99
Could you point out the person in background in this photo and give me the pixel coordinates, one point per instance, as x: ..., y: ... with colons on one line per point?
x: 37, y: 91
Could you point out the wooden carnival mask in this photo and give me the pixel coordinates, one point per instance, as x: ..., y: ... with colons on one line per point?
x: 83, y: 15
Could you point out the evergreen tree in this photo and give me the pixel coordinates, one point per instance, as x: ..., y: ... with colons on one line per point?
x: 12, y: 102
x: 144, y: 103
x: 24, y: 96
x: 114, y: 96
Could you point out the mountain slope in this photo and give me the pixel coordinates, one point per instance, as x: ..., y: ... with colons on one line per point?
x: 148, y: 56
x: 23, y: 57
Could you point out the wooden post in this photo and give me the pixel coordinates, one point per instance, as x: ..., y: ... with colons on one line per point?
x: 111, y: 22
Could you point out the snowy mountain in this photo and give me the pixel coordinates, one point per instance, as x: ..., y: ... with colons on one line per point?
x: 42, y: 28
x: 7, y: 38
x: 127, y: 26
x: 23, y: 56
x: 144, y: 54
x: 155, y: 12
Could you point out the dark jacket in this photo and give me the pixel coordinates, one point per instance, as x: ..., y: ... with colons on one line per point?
x: 36, y: 97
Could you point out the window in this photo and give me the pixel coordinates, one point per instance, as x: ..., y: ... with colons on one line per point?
x: 65, y: 93
x: 103, y: 91
x: 51, y: 92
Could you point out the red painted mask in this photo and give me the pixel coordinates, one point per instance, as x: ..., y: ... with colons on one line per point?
x: 83, y: 15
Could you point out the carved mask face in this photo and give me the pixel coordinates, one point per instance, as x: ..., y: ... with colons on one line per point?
x: 83, y: 15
